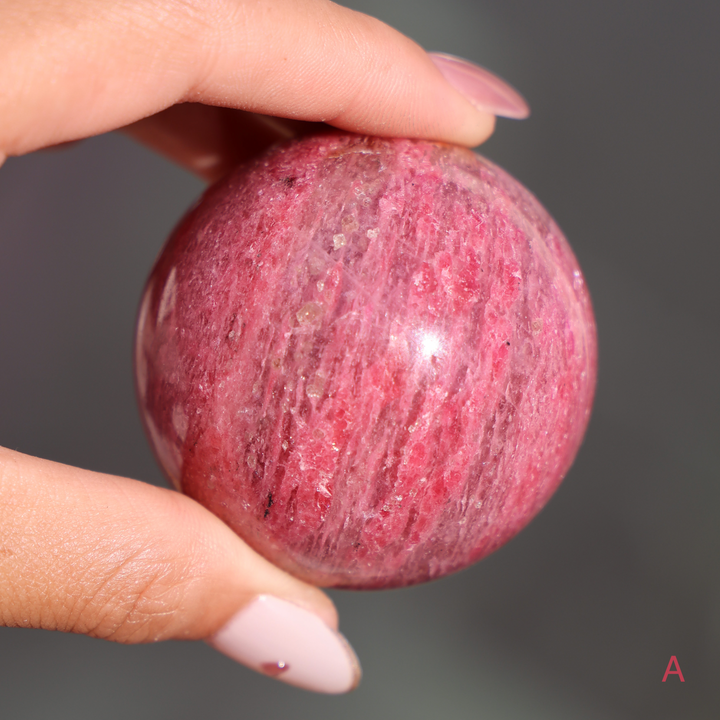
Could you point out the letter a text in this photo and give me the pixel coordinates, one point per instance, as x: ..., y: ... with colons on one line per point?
x: 677, y: 671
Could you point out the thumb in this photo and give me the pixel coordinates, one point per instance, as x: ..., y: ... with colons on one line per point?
x: 121, y: 560
x: 82, y: 67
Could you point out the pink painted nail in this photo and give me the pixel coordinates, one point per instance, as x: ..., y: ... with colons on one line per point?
x: 283, y: 640
x: 483, y: 89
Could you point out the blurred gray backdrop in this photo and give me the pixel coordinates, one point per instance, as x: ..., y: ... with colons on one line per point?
x: 579, y: 615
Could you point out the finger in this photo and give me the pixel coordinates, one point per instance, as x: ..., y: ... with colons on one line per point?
x: 82, y: 67
x: 121, y: 560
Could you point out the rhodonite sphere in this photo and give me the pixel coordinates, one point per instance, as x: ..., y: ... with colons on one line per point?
x: 374, y: 359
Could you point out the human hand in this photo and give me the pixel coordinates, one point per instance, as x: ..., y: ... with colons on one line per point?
x: 111, y: 557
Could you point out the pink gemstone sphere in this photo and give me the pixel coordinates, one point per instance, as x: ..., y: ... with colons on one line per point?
x: 373, y: 359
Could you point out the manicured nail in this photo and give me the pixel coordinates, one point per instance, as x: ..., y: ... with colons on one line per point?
x: 483, y: 89
x: 283, y: 640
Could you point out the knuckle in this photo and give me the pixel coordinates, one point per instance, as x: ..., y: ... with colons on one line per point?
x: 137, y: 602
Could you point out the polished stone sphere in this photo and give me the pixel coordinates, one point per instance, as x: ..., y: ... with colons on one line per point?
x: 374, y: 359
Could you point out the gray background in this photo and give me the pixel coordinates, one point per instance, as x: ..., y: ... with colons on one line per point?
x: 579, y: 615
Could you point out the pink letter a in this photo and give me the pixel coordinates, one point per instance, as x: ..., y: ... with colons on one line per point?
x: 673, y: 659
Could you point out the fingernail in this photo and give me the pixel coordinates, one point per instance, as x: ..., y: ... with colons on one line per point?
x: 283, y: 640
x: 483, y: 89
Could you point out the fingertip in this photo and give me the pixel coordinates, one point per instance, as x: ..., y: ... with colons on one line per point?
x: 480, y: 130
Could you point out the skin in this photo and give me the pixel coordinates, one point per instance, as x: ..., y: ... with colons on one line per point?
x: 195, y: 79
